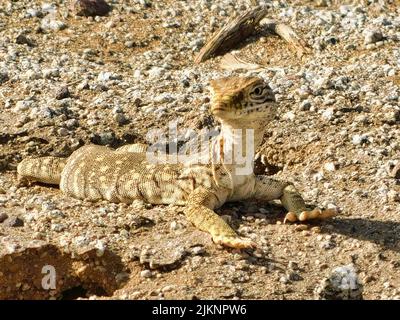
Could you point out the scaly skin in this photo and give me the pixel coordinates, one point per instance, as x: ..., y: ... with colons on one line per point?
x: 124, y: 175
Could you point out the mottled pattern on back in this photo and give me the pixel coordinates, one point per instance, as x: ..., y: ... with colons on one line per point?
x: 96, y: 172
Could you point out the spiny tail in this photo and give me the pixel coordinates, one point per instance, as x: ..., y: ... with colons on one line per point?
x: 46, y: 169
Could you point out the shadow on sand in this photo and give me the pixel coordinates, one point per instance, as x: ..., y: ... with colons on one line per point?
x: 383, y: 233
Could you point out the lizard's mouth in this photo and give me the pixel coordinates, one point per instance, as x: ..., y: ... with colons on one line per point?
x: 218, y: 107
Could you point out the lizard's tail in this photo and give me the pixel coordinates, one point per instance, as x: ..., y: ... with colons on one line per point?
x: 46, y: 169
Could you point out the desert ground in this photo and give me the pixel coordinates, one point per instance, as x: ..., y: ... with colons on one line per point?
x: 69, y: 80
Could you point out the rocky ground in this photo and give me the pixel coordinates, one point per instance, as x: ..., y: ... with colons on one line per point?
x: 68, y: 80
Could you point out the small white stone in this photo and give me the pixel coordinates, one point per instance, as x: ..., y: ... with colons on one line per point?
x: 372, y: 36
x: 164, y: 97
x: 101, y: 247
x: 318, y: 176
x: 146, y: 274
x: 23, y: 105
x: 284, y: 279
x: 46, y: 206
x: 168, y: 288
x: 156, y: 72
x: 104, y: 76
x: 51, y: 73
x: 50, y: 24
x: 32, y: 75
x: 175, y: 226
x: 330, y: 166
x: 289, y: 116
x: 63, y: 132
x: 358, y: 139
x: 198, y: 250
x: 328, y: 114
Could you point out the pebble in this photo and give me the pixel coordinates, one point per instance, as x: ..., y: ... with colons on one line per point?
x: 3, y: 217
x: 156, y: 72
x: 289, y: 116
x: 62, y: 93
x: 330, y: 166
x: 146, y: 274
x: 100, y: 248
x: 23, y: 39
x: 328, y: 114
x: 394, y: 170
x: 294, y: 276
x: 14, y: 222
x: 62, y: 132
x: 23, y: 105
x: 168, y: 288
x: 119, y: 118
x: 49, y: 24
x: 359, y: 139
x: 342, y: 284
x: 305, y: 105
x: 3, y: 76
x: 91, y: 7
x: 372, y: 36
x: 51, y: 73
x: 284, y: 279
x: 198, y: 250
x: 301, y: 227
x: 129, y: 44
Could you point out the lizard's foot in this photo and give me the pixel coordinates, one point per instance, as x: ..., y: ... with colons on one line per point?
x: 234, y: 242
x: 316, y: 213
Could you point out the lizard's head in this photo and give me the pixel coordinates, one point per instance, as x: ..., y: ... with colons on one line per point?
x: 242, y: 98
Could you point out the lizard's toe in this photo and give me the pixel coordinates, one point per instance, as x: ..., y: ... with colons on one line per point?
x: 234, y: 242
x: 316, y: 213
x: 291, y: 217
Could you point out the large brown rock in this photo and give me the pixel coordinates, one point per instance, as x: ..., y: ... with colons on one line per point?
x: 90, y: 7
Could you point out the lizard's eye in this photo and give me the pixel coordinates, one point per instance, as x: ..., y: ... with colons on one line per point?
x: 257, y: 91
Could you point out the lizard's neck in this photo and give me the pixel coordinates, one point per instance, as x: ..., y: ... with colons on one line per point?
x: 236, y: 144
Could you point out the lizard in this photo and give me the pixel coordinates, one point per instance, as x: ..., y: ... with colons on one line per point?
x: 96, y: 172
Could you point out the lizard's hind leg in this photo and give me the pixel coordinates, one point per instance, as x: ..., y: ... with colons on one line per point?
x: 45, y: 169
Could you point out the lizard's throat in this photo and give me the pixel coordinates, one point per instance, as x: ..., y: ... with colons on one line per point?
x: 248, y: 135
x: 237, y: 143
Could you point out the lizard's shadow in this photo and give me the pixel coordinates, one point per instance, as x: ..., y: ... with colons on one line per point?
x: 383, y: 233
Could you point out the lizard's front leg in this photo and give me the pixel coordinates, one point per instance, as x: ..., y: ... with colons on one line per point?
x: 199, y: 211
x: 268, y: 189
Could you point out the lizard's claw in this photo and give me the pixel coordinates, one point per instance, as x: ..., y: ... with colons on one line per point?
x: 234, y: 242
x: 316, y: 213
